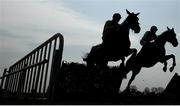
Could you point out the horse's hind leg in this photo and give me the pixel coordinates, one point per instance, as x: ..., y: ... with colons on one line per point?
x: 135, y: 71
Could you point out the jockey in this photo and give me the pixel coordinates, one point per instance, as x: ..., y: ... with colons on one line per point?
x: 110, y: 29
x: 149, y: 36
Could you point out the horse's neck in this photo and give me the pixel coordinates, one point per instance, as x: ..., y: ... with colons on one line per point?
x: 124, y: 35
x: 125, y: 27
x: 160, y: 41
x: 125, y: 24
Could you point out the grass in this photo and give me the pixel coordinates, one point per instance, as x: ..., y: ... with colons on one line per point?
x: 79, y: 85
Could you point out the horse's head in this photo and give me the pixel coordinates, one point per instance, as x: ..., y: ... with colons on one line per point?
x: 171, y: 37
x: 132, y: 20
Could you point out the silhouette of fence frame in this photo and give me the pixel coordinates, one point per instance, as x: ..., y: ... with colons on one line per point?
x: 34, y: 75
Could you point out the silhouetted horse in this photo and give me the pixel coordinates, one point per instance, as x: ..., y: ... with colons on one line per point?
x: 119, y: 48
x: 152, y: 53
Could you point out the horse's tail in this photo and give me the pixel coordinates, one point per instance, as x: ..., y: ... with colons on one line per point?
x: 89, y: 56
x: 85, y: 58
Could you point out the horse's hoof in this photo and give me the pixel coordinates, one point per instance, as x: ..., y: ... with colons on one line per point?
x: 164, y: 69
x: 125, y: 76
x: 127, y: 90
x: 171, y: 69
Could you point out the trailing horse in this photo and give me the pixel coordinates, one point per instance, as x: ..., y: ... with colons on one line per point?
x: 152, y: 53
x: 120, y: 47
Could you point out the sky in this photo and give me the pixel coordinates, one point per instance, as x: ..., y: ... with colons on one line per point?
x: 25, y: 24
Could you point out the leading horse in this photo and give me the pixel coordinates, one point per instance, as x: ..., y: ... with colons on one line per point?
x: 152, y: 53
x: 121, y: 44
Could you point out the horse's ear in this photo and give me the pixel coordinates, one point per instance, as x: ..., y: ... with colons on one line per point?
x: 128, y: 12
x: 168, y: 28
x: 173, y: 29
x: 137, y: 14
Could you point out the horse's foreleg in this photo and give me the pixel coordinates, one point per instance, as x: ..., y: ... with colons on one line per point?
x: 122, y: 63
x: 174, y: 63
x: 165, y: 66
x: 131, y: 59
x: 134, y: 74
x: 167, y: 57
x: 132, y: 51
x: 129, y: 62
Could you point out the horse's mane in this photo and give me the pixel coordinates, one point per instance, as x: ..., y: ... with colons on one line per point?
x: 125, y: 21
x: 161, y: 35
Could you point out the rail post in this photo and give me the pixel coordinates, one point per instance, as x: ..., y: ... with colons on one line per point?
x: 57, y: 59
x: 2, y: 80
x: 21, y: 81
